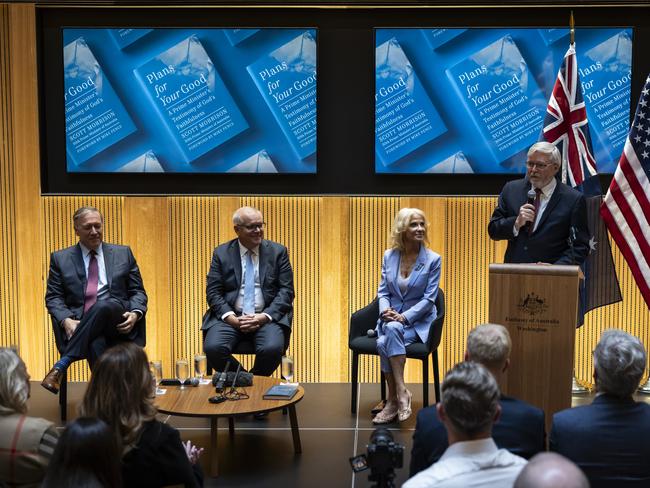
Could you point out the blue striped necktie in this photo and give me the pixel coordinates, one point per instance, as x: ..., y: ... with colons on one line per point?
x: 249, y: 285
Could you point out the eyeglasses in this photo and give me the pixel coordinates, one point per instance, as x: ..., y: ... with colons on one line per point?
x: 252, y: 227
x: 534, y: 164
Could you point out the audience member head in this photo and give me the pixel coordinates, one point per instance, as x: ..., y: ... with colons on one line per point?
x: 551, y: 470
x: 470, y: 402
x: 400, y: 228
x: 249, y: 226
x: 87, y: 455
x: 619, y: 362
x: 14, y: 383
x: 121, y: 391
x: 490, y: 345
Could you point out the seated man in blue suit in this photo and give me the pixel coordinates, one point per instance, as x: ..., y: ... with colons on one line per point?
x: 520, y: 429
x: 553, y: 228
x: 610, y: 439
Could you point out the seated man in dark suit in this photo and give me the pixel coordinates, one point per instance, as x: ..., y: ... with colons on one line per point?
x: 520, y: 429
x: 94, y: 294
x: 250, y: 294
x: 610, y: 439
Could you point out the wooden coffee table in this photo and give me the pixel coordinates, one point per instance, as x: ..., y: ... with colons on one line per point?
x: 193, y: 402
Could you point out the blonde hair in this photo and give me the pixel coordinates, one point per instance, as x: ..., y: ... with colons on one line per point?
x: 14, y: 383
x: 489, y: 344
x: 401, y: 223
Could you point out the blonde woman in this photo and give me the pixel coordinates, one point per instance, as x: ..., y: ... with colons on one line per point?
x: 410, y: 274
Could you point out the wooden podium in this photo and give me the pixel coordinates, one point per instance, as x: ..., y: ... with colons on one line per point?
x: 539, y: 305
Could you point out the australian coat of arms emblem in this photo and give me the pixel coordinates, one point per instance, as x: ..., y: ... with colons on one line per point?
x: 533, y: 304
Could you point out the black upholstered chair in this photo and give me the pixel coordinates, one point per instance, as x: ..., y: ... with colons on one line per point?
x: 359, y: 343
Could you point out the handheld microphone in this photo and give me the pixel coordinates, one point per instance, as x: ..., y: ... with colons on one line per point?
x: 371, y: 333
x: 530, y: 199
x: 234, y: 380
x: 222, y: 378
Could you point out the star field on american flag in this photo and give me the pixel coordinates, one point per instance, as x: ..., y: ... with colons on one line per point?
x: 626, y: 207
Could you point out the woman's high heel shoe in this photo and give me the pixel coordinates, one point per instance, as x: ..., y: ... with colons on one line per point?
x: 404, y: 413
x: 386, y: 416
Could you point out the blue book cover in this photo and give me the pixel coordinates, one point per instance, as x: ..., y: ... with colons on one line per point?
x: 405, y: 118
x: 456, y: 163
x: 286, y: 79
x: 95, y: 118
x: 605, y: 76
x: 126, y: 37
x: 235, y: 36
x: 145, y: 163
x: 438, y: 37
x: 552, y: 35
x: 501, y: 96
x: 191, y: 98
x: 257, y: 163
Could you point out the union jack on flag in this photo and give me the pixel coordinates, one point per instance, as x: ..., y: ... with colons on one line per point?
x: 566, y: 125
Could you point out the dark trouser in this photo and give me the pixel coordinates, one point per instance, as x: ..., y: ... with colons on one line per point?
x: 96, y: 332
x: 268, y: 340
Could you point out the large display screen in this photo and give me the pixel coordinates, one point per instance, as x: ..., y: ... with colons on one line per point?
x: 474, y: 100
x: 190, y: 100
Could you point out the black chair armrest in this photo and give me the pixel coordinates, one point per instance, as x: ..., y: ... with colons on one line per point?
x: 435, y: 331
x: 364, y: 319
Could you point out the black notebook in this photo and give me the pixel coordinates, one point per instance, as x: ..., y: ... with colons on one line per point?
x: 281, y: 392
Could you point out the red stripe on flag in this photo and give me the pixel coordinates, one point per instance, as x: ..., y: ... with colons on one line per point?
x: 642, y: 198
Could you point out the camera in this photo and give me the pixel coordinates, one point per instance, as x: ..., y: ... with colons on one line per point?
x: 383, y: 456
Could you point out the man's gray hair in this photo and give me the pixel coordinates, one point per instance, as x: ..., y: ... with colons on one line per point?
x: 81, y: 211
x: 236, y: 216
x: 489, y: 344
x: 14, y: 386
x: 619, y: 363
x: 548, y: 149
x: 470, y: 398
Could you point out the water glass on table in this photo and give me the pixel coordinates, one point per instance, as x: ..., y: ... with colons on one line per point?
x: 156, y: 372
x: 287, y: 369
x: 201, y: 368
x: 182, y: 371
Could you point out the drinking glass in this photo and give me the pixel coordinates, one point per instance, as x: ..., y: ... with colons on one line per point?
x: 200, y: 368
x: 156, y: 372
x: 287, y: 368
x: 182, y: 371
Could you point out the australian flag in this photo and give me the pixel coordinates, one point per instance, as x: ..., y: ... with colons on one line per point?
x: 566, y: 126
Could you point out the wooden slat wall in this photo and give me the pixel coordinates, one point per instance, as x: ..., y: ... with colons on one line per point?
x: 335, y: 245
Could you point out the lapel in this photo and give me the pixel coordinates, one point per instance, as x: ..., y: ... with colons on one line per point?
x: 78, y: 260
x: 262, y: 261
x: 394, y: 264
x: 235, y: 257
x: 555, y: 198
x: 108, y: 262
x: 417, y: 267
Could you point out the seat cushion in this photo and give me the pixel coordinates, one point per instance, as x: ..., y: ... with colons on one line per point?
x: 364, y: 345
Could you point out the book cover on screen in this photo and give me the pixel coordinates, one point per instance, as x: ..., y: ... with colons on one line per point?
x: 286, y: 79
x: 281, y: 392
x: 456, y: 163
x: 405, y: 118
x: 440, y: 37
x: 191, y: 98
x: 235, y: 36
x: 145, y: 163
x: 126, y: 37
x: 95, y: 117
x: 605, y: 76
x: 501, y: 96
x: 552, y: 35
x: 257, y: 163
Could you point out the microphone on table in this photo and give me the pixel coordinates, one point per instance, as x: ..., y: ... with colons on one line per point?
x: 530, y: 198
x: 234, y: 379
x: 222, y: 378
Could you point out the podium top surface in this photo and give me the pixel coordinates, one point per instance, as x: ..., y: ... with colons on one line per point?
x: 537, y: 269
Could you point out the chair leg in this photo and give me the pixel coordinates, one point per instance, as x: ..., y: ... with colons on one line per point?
x: 425, y: 383
x: 63, y: 397
x: 355, y: 379
x: 436, y: 375
x: 382, y: 380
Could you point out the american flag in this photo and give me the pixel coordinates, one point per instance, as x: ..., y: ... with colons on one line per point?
x: 566, y: 126
x: 626, y: 207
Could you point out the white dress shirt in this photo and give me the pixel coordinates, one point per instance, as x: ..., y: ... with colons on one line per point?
x: 544, y: 198
x: 470, y: 464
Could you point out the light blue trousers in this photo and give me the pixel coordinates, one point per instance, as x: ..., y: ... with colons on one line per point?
x: 392, y: 339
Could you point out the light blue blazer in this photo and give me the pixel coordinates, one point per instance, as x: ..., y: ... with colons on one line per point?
x: 417, y: 304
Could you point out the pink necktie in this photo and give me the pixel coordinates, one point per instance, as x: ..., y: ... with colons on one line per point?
x: 93, y: 281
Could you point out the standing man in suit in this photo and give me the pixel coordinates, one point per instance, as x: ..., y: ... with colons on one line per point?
x: 608, y: 439
x: 520, y: 429
x: 250, y: 294
x: 552, y: 229
x: 94, y: 294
